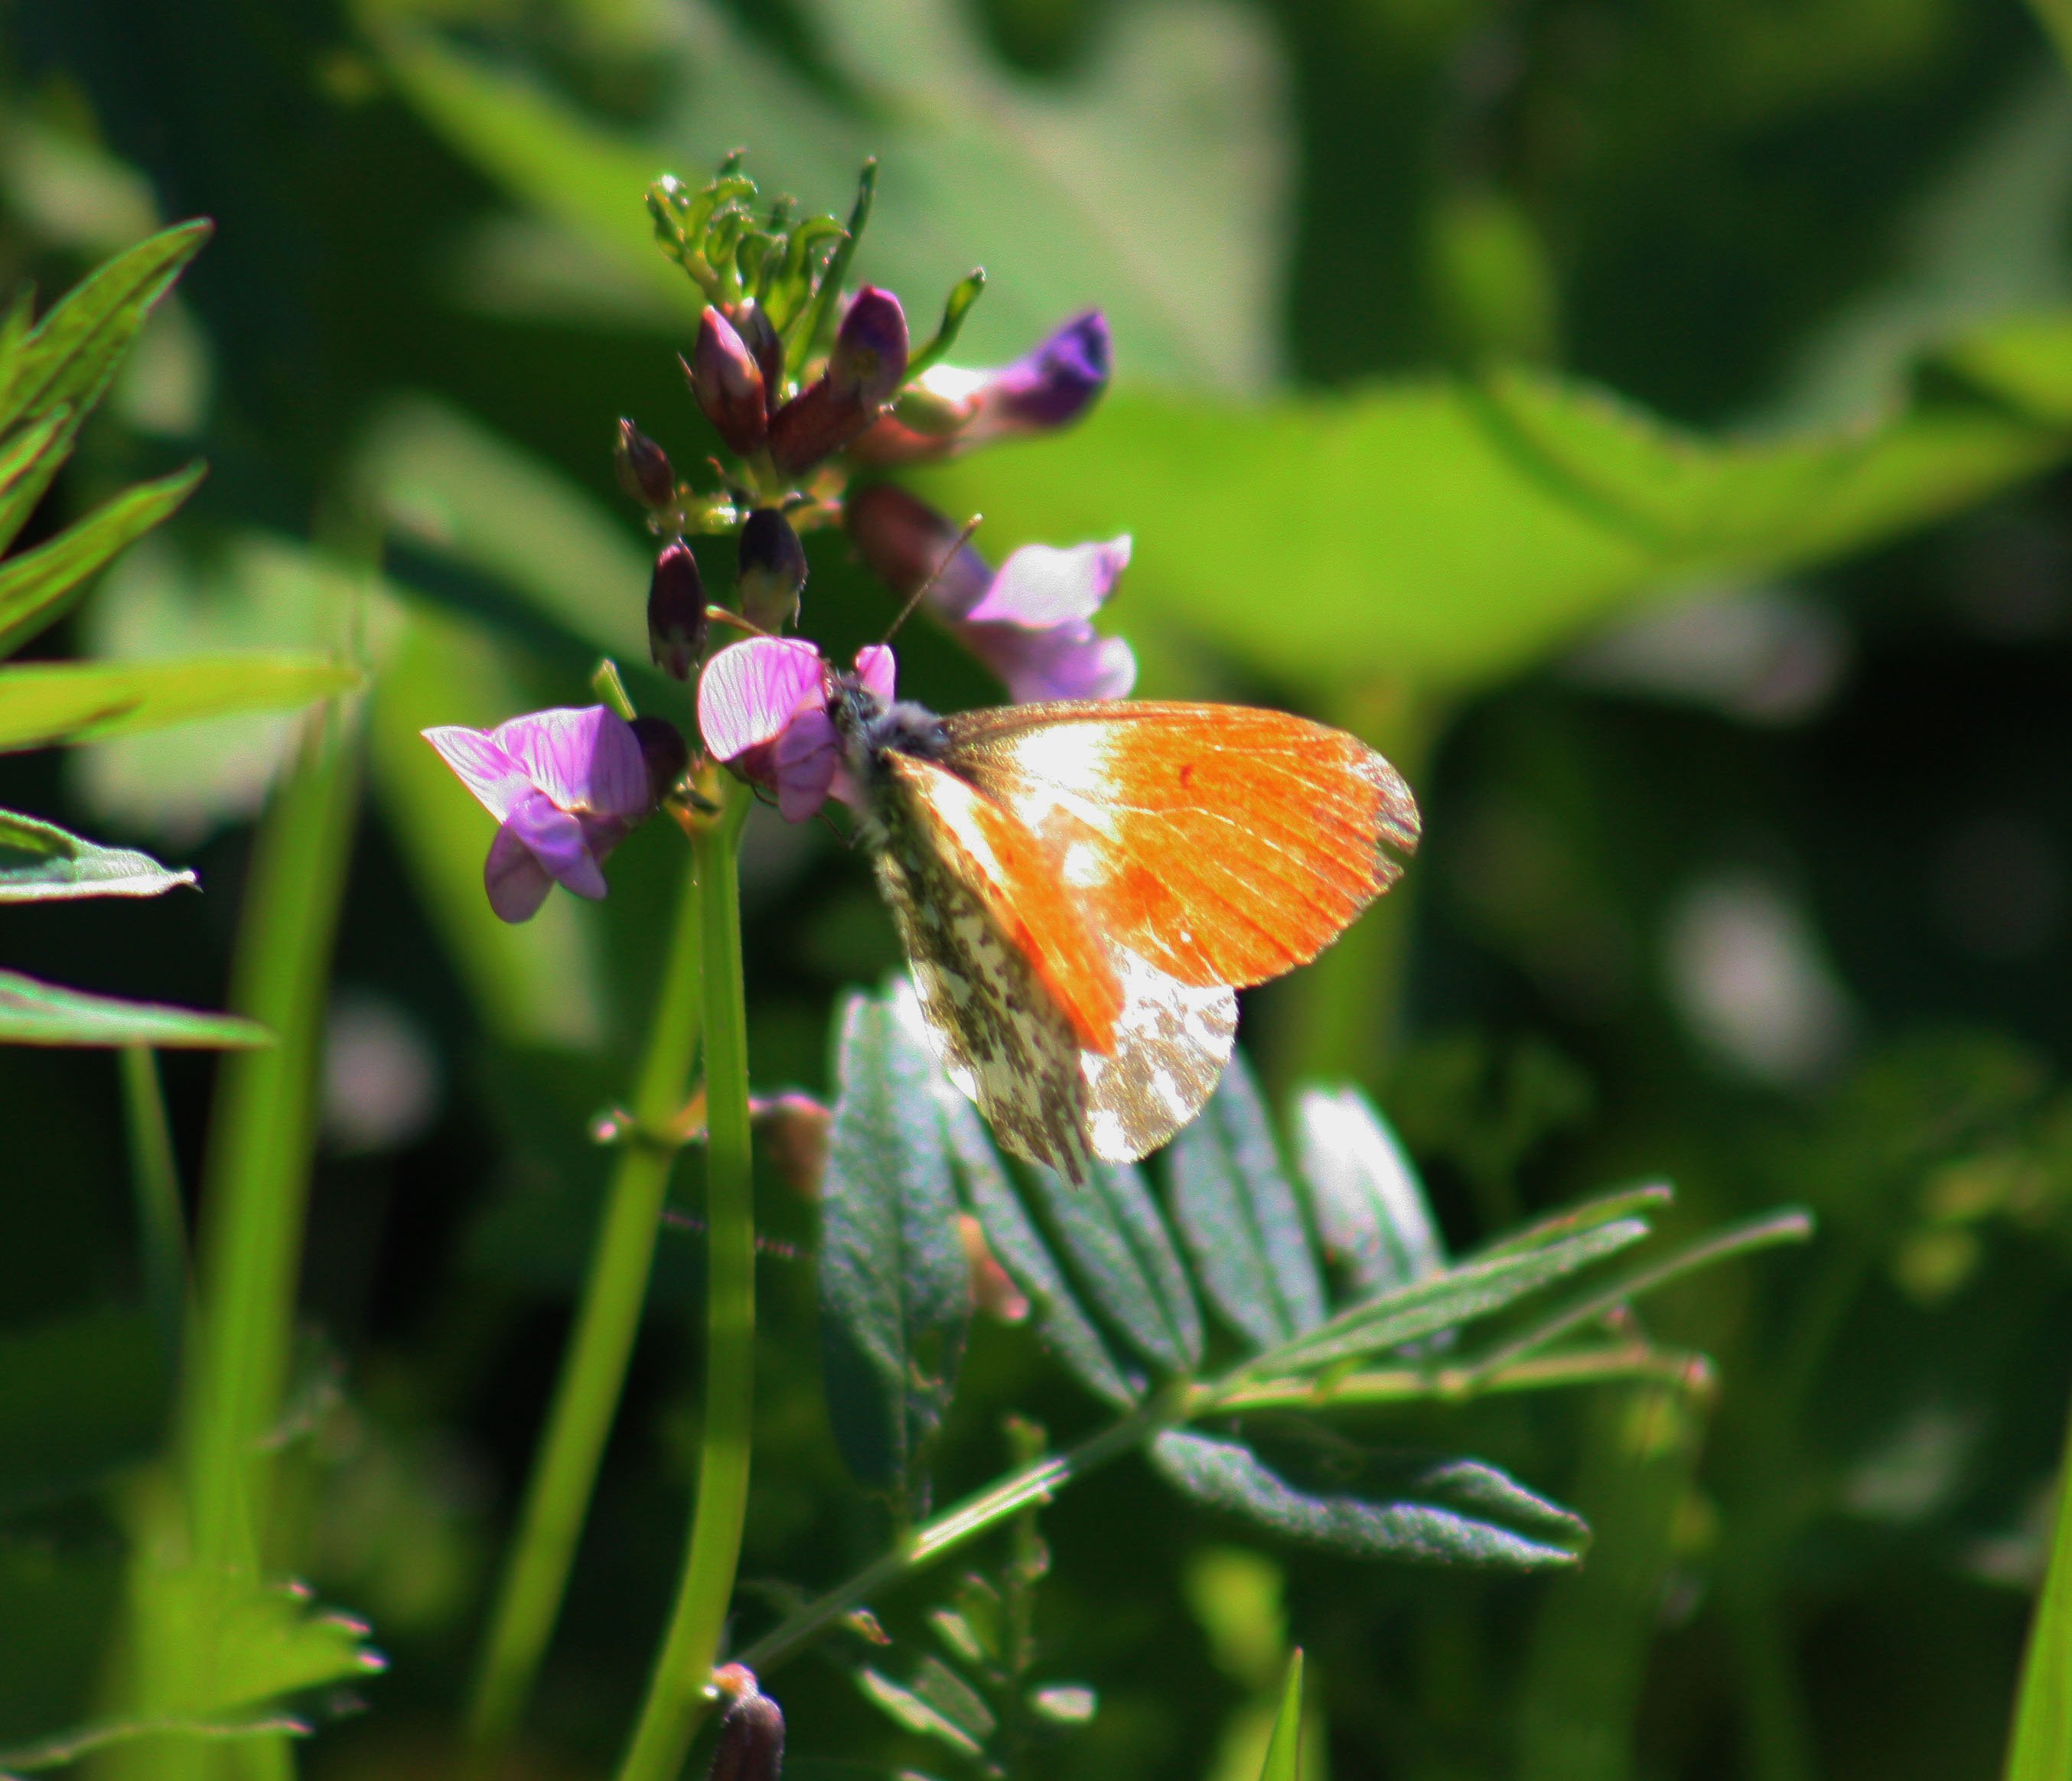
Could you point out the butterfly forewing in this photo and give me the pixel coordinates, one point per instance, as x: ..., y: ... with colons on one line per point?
x: 1224, y: 845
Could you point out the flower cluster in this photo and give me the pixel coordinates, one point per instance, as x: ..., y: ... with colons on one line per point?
x: 804, y: 387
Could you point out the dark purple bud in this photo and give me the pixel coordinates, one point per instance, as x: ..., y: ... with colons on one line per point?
x: 728, y: 383
x: 764, y: 344
x: 864, y: 373
x: 644, y: 470
x: 676, y: 611
x: 664, y: 749
x: 773, y: 571
x: 791, y: 1131
x: 869, y: 355
x: 905, y: 541
x: 1053, y: 384
x: 751, y: 1741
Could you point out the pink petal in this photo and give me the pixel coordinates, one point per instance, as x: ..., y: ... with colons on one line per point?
x: 805, y: 759
x: 517, y: 883
x: 749, y: 691
x: 1061, y: 662
x: 586, y: 759
x: 482, y: 766
x: 876, y: 670
x: 1041, y: 585
x: 559, y: 843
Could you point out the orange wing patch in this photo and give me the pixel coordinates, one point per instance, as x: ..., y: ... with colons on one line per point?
x: 1014, y: 878
x: 1224, y: 844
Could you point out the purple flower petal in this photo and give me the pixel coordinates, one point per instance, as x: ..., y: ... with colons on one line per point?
x: 1041, y: 585
x: 484, y: 765
x: 750, y: 690
x: 1062, y: 662
x: 876, y: 670
x: 516, y: 882
x: 805, y: 760
x: 583, y: 760
x: 560, y: 842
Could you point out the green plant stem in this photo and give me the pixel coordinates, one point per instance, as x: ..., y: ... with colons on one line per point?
x: 594, y: 1370
x: 161, y: 1221
x: 677, y: 1689
x: 261, y: 1135
x: 957, y: 1527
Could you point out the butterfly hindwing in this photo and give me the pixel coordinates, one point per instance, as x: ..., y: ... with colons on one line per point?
x: 1222, y: 845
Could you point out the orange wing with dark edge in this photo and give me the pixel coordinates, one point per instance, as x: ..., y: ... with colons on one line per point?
x: 1014, y: 877
x: 1224, y: 843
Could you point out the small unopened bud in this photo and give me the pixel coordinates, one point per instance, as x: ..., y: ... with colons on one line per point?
x: 664, y: 749
x: 773, y: 571
x: 864, y: 372
x: 764, y: 344
x: 792, y: 1132
x: 869, y: 355
x: 644, y: 470
x: 676, y: 612
x: 751, y: 1741
x: 906, y: 544
x: 728, y: 384
x: 993, y: 1290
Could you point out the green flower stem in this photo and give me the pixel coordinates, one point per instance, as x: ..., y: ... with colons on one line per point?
x: 162, y: 1222
x: 677, y: 1691
x: 593, y: 1371
x: 956, y: 1528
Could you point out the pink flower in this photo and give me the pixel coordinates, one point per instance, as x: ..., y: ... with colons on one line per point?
x: 1031, y: 624
x: 763, y: 710
x: 566, y: 786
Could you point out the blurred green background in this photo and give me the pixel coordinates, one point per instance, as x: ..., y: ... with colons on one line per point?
x: 1646, y: 418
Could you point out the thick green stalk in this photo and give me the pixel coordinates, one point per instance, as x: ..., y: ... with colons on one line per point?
x: 593, y: 1371
x: 677, y: 1690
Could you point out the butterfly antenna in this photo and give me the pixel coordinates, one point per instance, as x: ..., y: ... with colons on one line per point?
x: 935, y: 574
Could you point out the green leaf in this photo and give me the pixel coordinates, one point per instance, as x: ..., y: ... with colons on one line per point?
x: 1283, y: 1748
x: 894, y: 1286
x: 79, y: 1396
x: 1154, y: 181
x: 2039, y: 1748
x: 1064, y: 1327
x: 1370, y: 1206
x: 907, y: 1708
x: 1445, y: 1301
x: 1510, y: 514
x: 81, y: 701
x: 43, y: 1014
x: 72, y: 353
x: 40, y: 586
x: 1242, y: 1226
x: 1124, y: 1256
x: 40, y: 862
x: 1391, y: 1506
x: 28, y: 461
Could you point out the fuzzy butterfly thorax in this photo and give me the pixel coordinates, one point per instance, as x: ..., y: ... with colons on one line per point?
x: 1082, y: 885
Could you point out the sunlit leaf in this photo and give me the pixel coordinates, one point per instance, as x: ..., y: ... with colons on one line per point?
x: 1116, y: 1241
x: 1370, y: 1210
x: 1402, y: 1506
x: 41, y: 703
x: 40, y: 586
x: 43, y: 1014
x: 1242, y: 1224
x: 895, y: 1296
x: 910, y: 1710
x: 1283, y: 1747
x: 40, y: 862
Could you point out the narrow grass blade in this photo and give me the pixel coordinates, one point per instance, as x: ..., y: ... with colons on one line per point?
x: 2040, y: 1748
x: 32, y: 1013
x: 82, y: 701
x: 1284, y: 1749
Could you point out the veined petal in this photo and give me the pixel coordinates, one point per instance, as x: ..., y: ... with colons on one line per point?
x: 585, y: 759
x: 1041, y: 585
x: 876, y: 670
x: 558, y: 841
x: 483, y: 764
x: 749, y: 691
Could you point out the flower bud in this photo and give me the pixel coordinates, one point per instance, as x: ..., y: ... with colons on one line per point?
x: 764, y: 344
x: 676, y: 611
x: 791, y: 1131
x: 644, y: 470
x: 664, y: 749
x: 905, y: 541
x: 773, y: 571
x: 728, y: 384
x: 751, y: 1741
x: 864, y: 372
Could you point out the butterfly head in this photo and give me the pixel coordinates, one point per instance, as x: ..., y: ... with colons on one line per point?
x: 869, y: 728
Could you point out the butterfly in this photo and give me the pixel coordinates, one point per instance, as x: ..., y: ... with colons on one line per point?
x: 1082, y: 887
